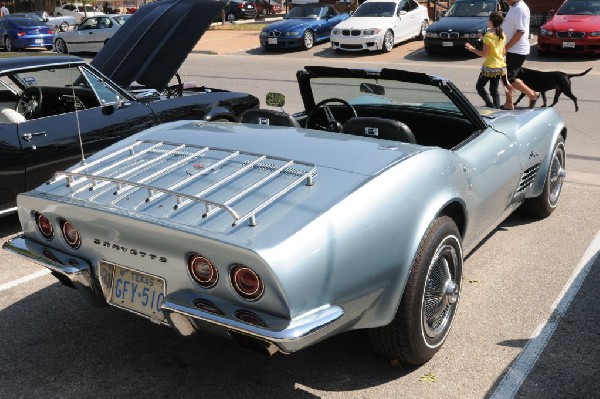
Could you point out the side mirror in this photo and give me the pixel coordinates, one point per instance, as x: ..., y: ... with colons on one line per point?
x: 108, y: 109
x: 401, y: 13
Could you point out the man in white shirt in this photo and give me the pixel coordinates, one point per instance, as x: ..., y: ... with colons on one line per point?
x: 516, y: 29
x: 3, y: 10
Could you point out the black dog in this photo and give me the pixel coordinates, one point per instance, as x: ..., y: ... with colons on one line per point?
x: 544, y: 81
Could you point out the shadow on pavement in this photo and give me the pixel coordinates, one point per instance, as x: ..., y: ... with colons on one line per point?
x: 568, y: 365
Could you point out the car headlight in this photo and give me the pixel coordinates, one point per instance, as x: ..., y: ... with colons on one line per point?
x: 472, y: 35
x: 371, y: 32
x: 594, y: 34
x: 335, y: 31
x: 546, y: 32
x: 432, y: 34
x: 292, y: 33
x: 264, y: 34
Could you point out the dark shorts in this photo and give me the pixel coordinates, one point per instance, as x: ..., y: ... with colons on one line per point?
x: 514, y: 62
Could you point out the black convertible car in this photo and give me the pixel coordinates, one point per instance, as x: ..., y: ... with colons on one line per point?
x: 51, y: 105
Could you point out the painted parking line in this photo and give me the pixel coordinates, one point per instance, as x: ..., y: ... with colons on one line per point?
x: 23, y: 280
x: 516, y: 375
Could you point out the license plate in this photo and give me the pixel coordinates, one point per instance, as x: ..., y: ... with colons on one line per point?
x: 133, y: 290
x: 569, y: 44
x: 447, y: 44
x: 272, y: 40
x: 39, y: 41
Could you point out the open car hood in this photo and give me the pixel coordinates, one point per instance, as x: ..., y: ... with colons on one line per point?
x: 151, y: 46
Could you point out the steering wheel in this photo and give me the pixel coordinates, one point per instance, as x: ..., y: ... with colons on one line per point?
x: 30, y: 102
x: 175, y: 90
x: 332, y: 124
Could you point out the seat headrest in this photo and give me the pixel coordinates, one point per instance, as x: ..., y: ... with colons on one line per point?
x: 268, y: 117
x: 387, y: 129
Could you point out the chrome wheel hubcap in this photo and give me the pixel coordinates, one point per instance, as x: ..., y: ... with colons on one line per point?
x: 557, y: 177
x: 442, y: 290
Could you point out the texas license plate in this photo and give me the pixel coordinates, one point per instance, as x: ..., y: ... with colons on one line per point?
x: 39, y: 41
x: 447, y: 44
x: 569, y: 44
x: 133, y: 290
x: 272, y: 40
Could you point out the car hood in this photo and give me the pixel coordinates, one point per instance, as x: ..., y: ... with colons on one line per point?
x: 576, y: 22
x: 459, y: 24
x: 364, y: 23
x: 290, y: 24
x: 151, y: 46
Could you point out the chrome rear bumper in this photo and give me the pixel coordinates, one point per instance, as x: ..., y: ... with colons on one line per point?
x: 183, y: 315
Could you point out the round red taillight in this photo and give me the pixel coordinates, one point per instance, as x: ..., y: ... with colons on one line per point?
x: 202, y: 270
x: 70, y: 234
x: 44, y: 226
x: 246, y: 282
x: 250, y: 318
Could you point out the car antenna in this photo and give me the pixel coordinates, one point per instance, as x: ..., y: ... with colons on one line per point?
x: 76, y: 114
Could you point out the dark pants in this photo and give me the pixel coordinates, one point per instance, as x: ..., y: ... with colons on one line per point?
x: 493, y: 102
x: 514, y: 63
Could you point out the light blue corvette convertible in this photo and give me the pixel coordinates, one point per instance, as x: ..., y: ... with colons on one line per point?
x: 284, y: 230
x: 303, y: 26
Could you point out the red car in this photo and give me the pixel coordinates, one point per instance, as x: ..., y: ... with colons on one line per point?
x: 265, y: 7
x: 575, y: 28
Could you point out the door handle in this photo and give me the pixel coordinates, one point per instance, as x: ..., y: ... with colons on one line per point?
x: 29, y: 136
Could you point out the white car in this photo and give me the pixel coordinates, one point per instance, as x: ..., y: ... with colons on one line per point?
x: 77, y: 10
x: 90, y: 35
x: 380, y: 24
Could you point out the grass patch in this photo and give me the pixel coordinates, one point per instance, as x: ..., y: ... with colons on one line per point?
x: 251, y: 26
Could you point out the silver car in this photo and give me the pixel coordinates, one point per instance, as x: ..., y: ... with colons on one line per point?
x: 284, y: 230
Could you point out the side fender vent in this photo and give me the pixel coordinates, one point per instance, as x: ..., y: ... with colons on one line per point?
x: 527, y: 178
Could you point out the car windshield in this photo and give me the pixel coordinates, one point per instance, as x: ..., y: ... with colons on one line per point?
x: 382, y: 93
x: 471, y: 9
x: 307, y: 12
x: 55, y: 77
x: 120, y: 19
x: 87, y: 8
x: 374, y: 9
x: 580, y: 7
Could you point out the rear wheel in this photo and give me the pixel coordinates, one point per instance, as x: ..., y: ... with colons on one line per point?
x: 388, y: 41
x: 544, y: 204
x: 60, y: 46
x: 308, y: 40
x: 430, y: 298
x: 8, y: 44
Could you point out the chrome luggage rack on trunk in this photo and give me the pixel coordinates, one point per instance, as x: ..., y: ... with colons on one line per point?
x: 156, y: 166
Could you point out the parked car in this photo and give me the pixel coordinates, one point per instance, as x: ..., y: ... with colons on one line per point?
x: 238, y: 9
x: 465, y: 22
x: 279, y: 237
x: 58, y: 24
x: 266, y: 7
x: 22, y: 32
x: 50, y: 103
x: 90, y: 35
x: 303, y: 26
x: 575, y: 28
x: 78, y: 11
x: 377, y: 25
